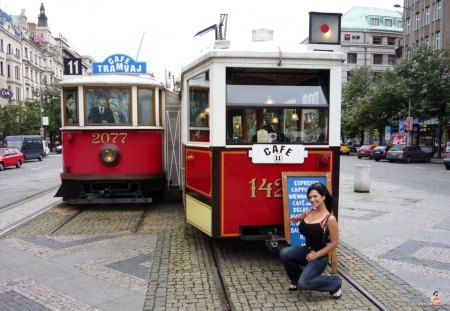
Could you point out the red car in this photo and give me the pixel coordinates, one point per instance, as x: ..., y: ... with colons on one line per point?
x: 10, y: 157
x: 365, y: 151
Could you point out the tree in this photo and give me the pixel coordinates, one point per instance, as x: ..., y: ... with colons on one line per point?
x: 427, y: 77
x: 354, y: 100
x: 24, y: 118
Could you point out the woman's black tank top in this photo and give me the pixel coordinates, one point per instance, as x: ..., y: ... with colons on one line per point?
x: 313, y: 235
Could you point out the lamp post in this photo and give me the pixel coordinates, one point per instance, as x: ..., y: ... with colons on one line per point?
x: 409, y: 120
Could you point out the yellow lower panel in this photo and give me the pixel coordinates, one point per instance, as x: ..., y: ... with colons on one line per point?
x: 198, y: 214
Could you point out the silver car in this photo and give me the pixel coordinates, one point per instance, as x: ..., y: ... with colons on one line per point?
x: 407, y: 154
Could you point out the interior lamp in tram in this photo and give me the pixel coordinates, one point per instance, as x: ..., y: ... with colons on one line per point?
x: 324, y: 28
x: 294, y: 116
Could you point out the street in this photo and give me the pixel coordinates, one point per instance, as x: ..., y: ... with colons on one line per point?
x: 32, y: 178
x: 401, y: 224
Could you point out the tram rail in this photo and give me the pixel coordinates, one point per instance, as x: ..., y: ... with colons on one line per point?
x: 26, y: 209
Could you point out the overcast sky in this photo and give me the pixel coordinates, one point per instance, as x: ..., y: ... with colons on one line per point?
x: 100, y: 28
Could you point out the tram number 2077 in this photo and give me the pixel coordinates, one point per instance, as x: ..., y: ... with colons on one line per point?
x: 107, y: 138
x: 267, y: 187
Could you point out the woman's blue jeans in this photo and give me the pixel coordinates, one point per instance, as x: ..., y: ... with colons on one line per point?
x: 310, y: 277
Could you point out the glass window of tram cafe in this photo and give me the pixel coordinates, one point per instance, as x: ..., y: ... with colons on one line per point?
x: 110, y: 106
x: 199, y: 108
x: 291, y: 105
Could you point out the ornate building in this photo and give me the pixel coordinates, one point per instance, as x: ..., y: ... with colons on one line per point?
x: 30, y: 57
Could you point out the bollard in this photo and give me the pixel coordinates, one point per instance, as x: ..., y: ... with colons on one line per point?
x: 362, y: 178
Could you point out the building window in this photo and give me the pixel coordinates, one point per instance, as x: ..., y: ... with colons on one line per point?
x: 417, y: 21
x: 392, y: 59
x: 1, y: 69
x: 9, y: 51
x: 392, y: 40
x: 438, y: 10
x: 427, y: 15
x: 427, y: 40
x: 352, y: 58
x: 374, y: 21
x: 25, y: 54
x: 388, y: 22
x: 408, y: 26
x: 438, y: 40
x: 377, y: 40
x: 399, y: 23
x: 1, y: 45
x: 17, y: 72
x: 377, y: 59
x: 8, y: 71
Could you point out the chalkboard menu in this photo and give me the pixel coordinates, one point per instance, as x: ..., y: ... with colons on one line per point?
x: 295, y: 199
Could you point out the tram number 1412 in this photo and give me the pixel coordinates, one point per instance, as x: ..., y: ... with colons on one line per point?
x: 264, y: 186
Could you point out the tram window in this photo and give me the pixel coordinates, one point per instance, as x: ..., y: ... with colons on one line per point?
x: 108, y: 106
x: 71, y: 107
x: 293, y: 125
x: 290, y: 105
x: 146, y: 108
x: 199, y: 108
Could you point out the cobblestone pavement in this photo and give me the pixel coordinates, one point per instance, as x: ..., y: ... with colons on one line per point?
x: 402, y: 229
x: 166, y: 267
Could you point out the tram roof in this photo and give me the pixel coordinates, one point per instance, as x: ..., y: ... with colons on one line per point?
x: 113, y: 79
x: 267, y: 49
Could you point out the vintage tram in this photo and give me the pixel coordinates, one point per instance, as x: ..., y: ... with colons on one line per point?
x: 250, y: 114
x: 120, y: 135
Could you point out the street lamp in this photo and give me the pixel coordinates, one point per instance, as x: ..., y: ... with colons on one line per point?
x: 409, y: 138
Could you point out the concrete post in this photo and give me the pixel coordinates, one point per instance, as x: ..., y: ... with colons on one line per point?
x: 362, y: 178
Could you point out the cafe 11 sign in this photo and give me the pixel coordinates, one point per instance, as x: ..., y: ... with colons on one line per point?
x: 119, y: 64
x: 296, y: 202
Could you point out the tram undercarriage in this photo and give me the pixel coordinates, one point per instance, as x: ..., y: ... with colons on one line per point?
x: 79, y: 190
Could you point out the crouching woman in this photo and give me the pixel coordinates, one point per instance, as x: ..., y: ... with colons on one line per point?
x: 305, y: 265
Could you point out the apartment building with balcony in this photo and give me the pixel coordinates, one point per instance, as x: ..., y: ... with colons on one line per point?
x: 370, y: 38
x: 30, y: 57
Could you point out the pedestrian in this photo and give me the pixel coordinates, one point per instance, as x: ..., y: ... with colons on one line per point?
x: 305, y: 265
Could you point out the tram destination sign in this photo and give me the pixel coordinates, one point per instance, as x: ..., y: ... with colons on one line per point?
x: 278, y: 154
x: 119, y: 64
x: 72, y: 66
x: 295, y: 199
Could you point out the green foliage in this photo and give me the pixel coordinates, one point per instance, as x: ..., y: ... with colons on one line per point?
x: 427, y: 77
x: 24, y: 118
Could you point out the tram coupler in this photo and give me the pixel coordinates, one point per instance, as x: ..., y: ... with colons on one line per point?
x: 275, y: 242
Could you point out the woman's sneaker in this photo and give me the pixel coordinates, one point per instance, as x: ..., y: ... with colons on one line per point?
x: 337, y: 293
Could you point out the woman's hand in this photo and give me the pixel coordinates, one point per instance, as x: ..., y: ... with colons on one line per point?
x: 311, y: 256
x: 295, y: 219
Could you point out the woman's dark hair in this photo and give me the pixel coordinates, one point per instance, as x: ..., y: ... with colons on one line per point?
x: 322, y: 190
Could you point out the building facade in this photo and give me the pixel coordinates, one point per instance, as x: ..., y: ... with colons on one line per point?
x: 426, y: 22
x: 30, y: 57
x: 370, y: 37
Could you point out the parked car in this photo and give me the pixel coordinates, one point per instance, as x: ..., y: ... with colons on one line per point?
x: 379, y: 152
x: 58, y: 149
x: 428, y: 150
x: 365, y: 151
x: 345, y: 149
x: 31, y: 146
x: 407, y: 154
x: 10, y: 157
x: 447, y: 160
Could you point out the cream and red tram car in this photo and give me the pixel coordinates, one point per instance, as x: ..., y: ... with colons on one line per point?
x: 233, y: 170
x: 119, y: 138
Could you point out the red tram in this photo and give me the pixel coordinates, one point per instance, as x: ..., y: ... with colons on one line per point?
x: 248, y: 115
x: 120, y: 135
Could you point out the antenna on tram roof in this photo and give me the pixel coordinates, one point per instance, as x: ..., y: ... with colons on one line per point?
x: 220, y: 33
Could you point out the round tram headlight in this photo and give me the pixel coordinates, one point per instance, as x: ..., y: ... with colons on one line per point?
x: 109, y: 155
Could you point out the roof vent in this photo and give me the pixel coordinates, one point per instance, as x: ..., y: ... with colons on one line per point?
x: 262, y: 34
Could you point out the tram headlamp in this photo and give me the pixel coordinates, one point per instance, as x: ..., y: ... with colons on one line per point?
x: 109, y: 155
